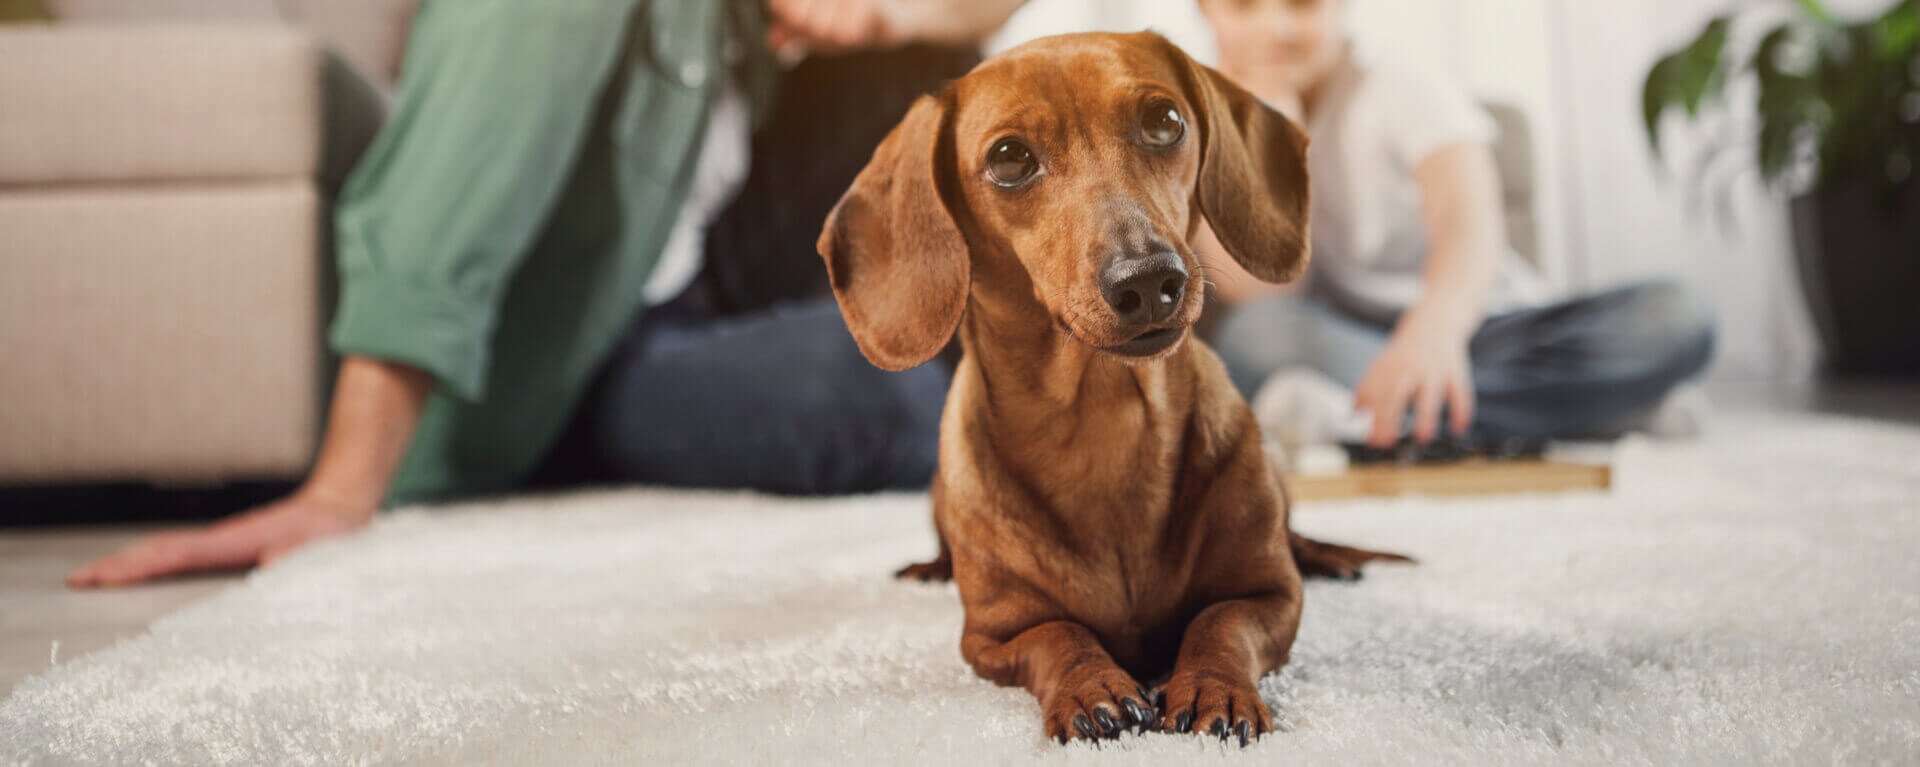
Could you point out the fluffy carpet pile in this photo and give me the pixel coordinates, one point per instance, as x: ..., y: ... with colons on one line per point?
x: 1754, y: 598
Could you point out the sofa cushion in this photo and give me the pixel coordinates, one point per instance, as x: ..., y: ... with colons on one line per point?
x: 111, y: 103
x: 159, y: 332
x: 164, y: 10
x: 370, y: 34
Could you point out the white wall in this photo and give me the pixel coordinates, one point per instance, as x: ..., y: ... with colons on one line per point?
x: 1608, y: 213
x: 1637, y: 219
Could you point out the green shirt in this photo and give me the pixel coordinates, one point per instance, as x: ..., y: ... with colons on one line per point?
x: 500, y: 230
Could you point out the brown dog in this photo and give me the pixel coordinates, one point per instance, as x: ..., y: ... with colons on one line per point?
x: 1102, y: 500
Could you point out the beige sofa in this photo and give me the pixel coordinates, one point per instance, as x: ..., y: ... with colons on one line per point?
x: 165, y: 167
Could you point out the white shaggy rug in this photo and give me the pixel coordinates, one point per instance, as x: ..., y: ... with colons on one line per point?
x: 1752, y: 599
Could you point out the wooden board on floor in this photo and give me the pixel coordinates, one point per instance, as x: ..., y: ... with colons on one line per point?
x: 1472, y: 477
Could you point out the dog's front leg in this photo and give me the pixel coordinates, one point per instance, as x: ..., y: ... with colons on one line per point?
x: 1082, y: 692
x: 1226, y: 649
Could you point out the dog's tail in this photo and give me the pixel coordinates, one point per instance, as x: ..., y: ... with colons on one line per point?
x: 1332, y: 560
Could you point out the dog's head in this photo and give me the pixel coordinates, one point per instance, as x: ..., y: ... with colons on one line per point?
x: 1066, y: 176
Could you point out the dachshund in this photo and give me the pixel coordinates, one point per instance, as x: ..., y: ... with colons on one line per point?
x: 1103, y: 501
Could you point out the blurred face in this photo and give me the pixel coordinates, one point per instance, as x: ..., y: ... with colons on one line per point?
x: 1290, y: 44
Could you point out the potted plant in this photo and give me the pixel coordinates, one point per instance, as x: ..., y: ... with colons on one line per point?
x: 1834, y: 121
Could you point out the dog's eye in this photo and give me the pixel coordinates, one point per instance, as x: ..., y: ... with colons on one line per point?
x: 1010, y: 162
x: 1161, y: 124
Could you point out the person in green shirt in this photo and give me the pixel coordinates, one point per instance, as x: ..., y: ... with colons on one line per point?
x: 516, y: 250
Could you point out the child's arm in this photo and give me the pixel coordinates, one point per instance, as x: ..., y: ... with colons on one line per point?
x: 1425, y: 363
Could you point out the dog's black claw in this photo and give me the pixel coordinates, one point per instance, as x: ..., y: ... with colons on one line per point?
x: 1081, y: 723
x: 1245, y: 731
x: 1107, y: 724
x: 1139, y: 715
x: 1183, y: 722
x: 1062, y: 738
x: 1218, y: 729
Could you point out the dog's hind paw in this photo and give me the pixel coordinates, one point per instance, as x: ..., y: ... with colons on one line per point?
x: 1332, y: 560
x: 940, y: 569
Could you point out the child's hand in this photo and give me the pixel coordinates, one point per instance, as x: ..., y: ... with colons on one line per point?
x: 1423, y: 366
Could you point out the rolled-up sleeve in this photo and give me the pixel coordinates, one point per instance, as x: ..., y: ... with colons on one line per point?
x: 494, y: 105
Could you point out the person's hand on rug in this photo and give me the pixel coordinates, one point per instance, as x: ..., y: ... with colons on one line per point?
x: 1423, y: 367
x: 256, y: 537
x: 376, y: 406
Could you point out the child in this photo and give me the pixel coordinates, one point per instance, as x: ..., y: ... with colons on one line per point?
x: 1413, y: 299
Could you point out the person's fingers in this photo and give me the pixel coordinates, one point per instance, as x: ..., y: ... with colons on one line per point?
x: 1388, y: 404
x: 836, y: 23
x: 212, y: 548
x: 130, y: 558
x: 788, y: 10
x: 1426, y: 409
x: 192, y: 552
x: 84, y: 576
x: 807, y: 16
x: 862, y: 22
x: 1460, y: 403
x: 787, y: 19
x: 826, y: 26
x: 779, y: 36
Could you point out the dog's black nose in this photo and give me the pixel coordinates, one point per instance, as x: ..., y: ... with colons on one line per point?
x: 1145, y: 289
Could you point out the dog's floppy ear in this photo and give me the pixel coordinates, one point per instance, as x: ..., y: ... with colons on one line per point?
x: 895, y: 255
x: 1253, y: 173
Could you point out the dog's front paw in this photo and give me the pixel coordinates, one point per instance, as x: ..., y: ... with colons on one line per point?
x: 1097, y: 704
x: 1220, y: 706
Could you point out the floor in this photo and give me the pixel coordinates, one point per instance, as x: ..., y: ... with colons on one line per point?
x: 39, y: 616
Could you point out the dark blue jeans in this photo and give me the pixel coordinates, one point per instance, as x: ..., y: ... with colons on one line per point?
x: 778, y: 400
x: 1590, y: 367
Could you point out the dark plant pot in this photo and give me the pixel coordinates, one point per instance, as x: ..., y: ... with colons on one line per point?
x: 1859, y: 258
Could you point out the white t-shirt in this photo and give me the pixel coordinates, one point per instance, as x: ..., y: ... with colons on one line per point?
x: 1372, y: 129
x: 725, y: 155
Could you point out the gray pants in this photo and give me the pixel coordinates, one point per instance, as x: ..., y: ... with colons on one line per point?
x: 1592, y: 367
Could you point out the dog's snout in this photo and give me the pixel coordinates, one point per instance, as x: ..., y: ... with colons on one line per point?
x: 1147, y: 289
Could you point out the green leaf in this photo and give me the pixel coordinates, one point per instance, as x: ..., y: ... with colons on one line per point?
x: 1818, y: 10
x: 1700, y: 73
x: 1897, y: 33
x: 1685, y: 78
x: 1840, y: 109
x: 1657, y: 96
x: 1786, y: 105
